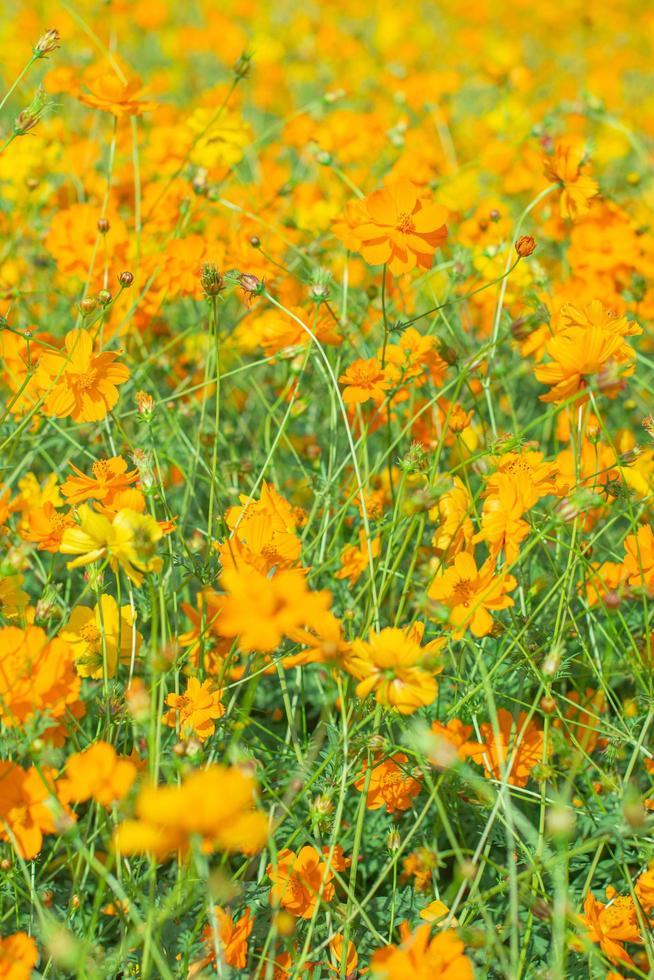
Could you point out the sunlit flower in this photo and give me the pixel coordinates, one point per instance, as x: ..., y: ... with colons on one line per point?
x: 102, y: 635
x: 79, y: 383
x: 300, y: 881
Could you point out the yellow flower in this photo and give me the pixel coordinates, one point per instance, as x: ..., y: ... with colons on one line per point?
x: 214, y: 804
x: 394, y: 665
x: 195, y: 710
x: 101, y: 634
x: 127, y: 542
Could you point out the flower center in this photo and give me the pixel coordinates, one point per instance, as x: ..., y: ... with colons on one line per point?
x: 405, y: 222
x: 101, y: 467
x: 463, y: 592
x: 86, y: 380
x: 90, y: 633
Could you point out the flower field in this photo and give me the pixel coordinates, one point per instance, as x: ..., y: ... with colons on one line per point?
x: 326, y: 490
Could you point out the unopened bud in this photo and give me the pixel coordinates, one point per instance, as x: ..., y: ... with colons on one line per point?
x: 104, y: 297
x: 126, y: 279
x: 103, y: 225
x: 525, y: 245
x: 47, y: 43
x: 88, y: 306
x: 211, y: 280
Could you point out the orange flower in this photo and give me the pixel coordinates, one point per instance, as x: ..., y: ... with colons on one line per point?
x: 394, y: 665
x: 639, y: 558
x: 97, y: 773
x: 389, y: 786
x: 263, y: 533
x: 471, y: 594
x: 214, y: 804
x: 299, y: 882
x: 261, y: 610
x: 418, y: 957
x: 420, y: 865
x: 398, y: 229
x: 37, y: 677
x: 232, y: 941
x: 336, y: 951
x: 581, y: 726
x: 110, y: 476
x: 194, y: 711
x: 566, y: 167
x: 78, y: 382
x: 111, y: 86
x: 611, y: 925
x: 46, y: 527
x: 363, y: 380
x: 590, y: 347
x: 454, y: 531
x: 451, y: 743
x: 355, y: 560
x: 18, y: 956
x: 644, y: 889
x: 502, y: 527
x: 518, y: 746
x: 533, y: 477
x: 24, y: 795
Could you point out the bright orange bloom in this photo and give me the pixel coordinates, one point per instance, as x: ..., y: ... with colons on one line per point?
x: 389, y: 784
x: 471, y: 594
x: 37, y: 676
x: 639, y: 558
x: 23, y: 806
x: 46, y: 527
x: 261, y: 610
x: 418, y: 957
x: 398, y: 229
x: 451, y: 742
x: 394, y: 665
x: 214, y: 804
x: 232, y: 941
x: 518, y: 746
x: 454, y: 527
x: 336, y: 952
x: 299, y: 880
x: 609, y: 577
x: 566, y: 167
x: 533, y: 477
x: 110, y: 476
x: 502, y: 527
x: 420, y: 865
x: 97, y: 773
x: 581, y: 727
x: 355, y: 560
x: 611, y: 925
x: 127, y: 542
x: 102, y: 635
x: 363, y: 380
x: 590, y: 347
x: 18, y: 956
x: 644, y: 889
x: 77, y: 382
x: 195, y: 711
x: 263, y: 533
x: 111, y: 86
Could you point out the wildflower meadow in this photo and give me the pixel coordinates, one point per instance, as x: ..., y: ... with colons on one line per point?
x: 326, y: 490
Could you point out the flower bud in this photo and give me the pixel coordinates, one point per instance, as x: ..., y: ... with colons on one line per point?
x: 104, y: 297
x: 47, y: 43
x: 88, y: 306
x: 103, y: 225
x: 126, y: 279
x: 525, y: 245
x: 211, y: 280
